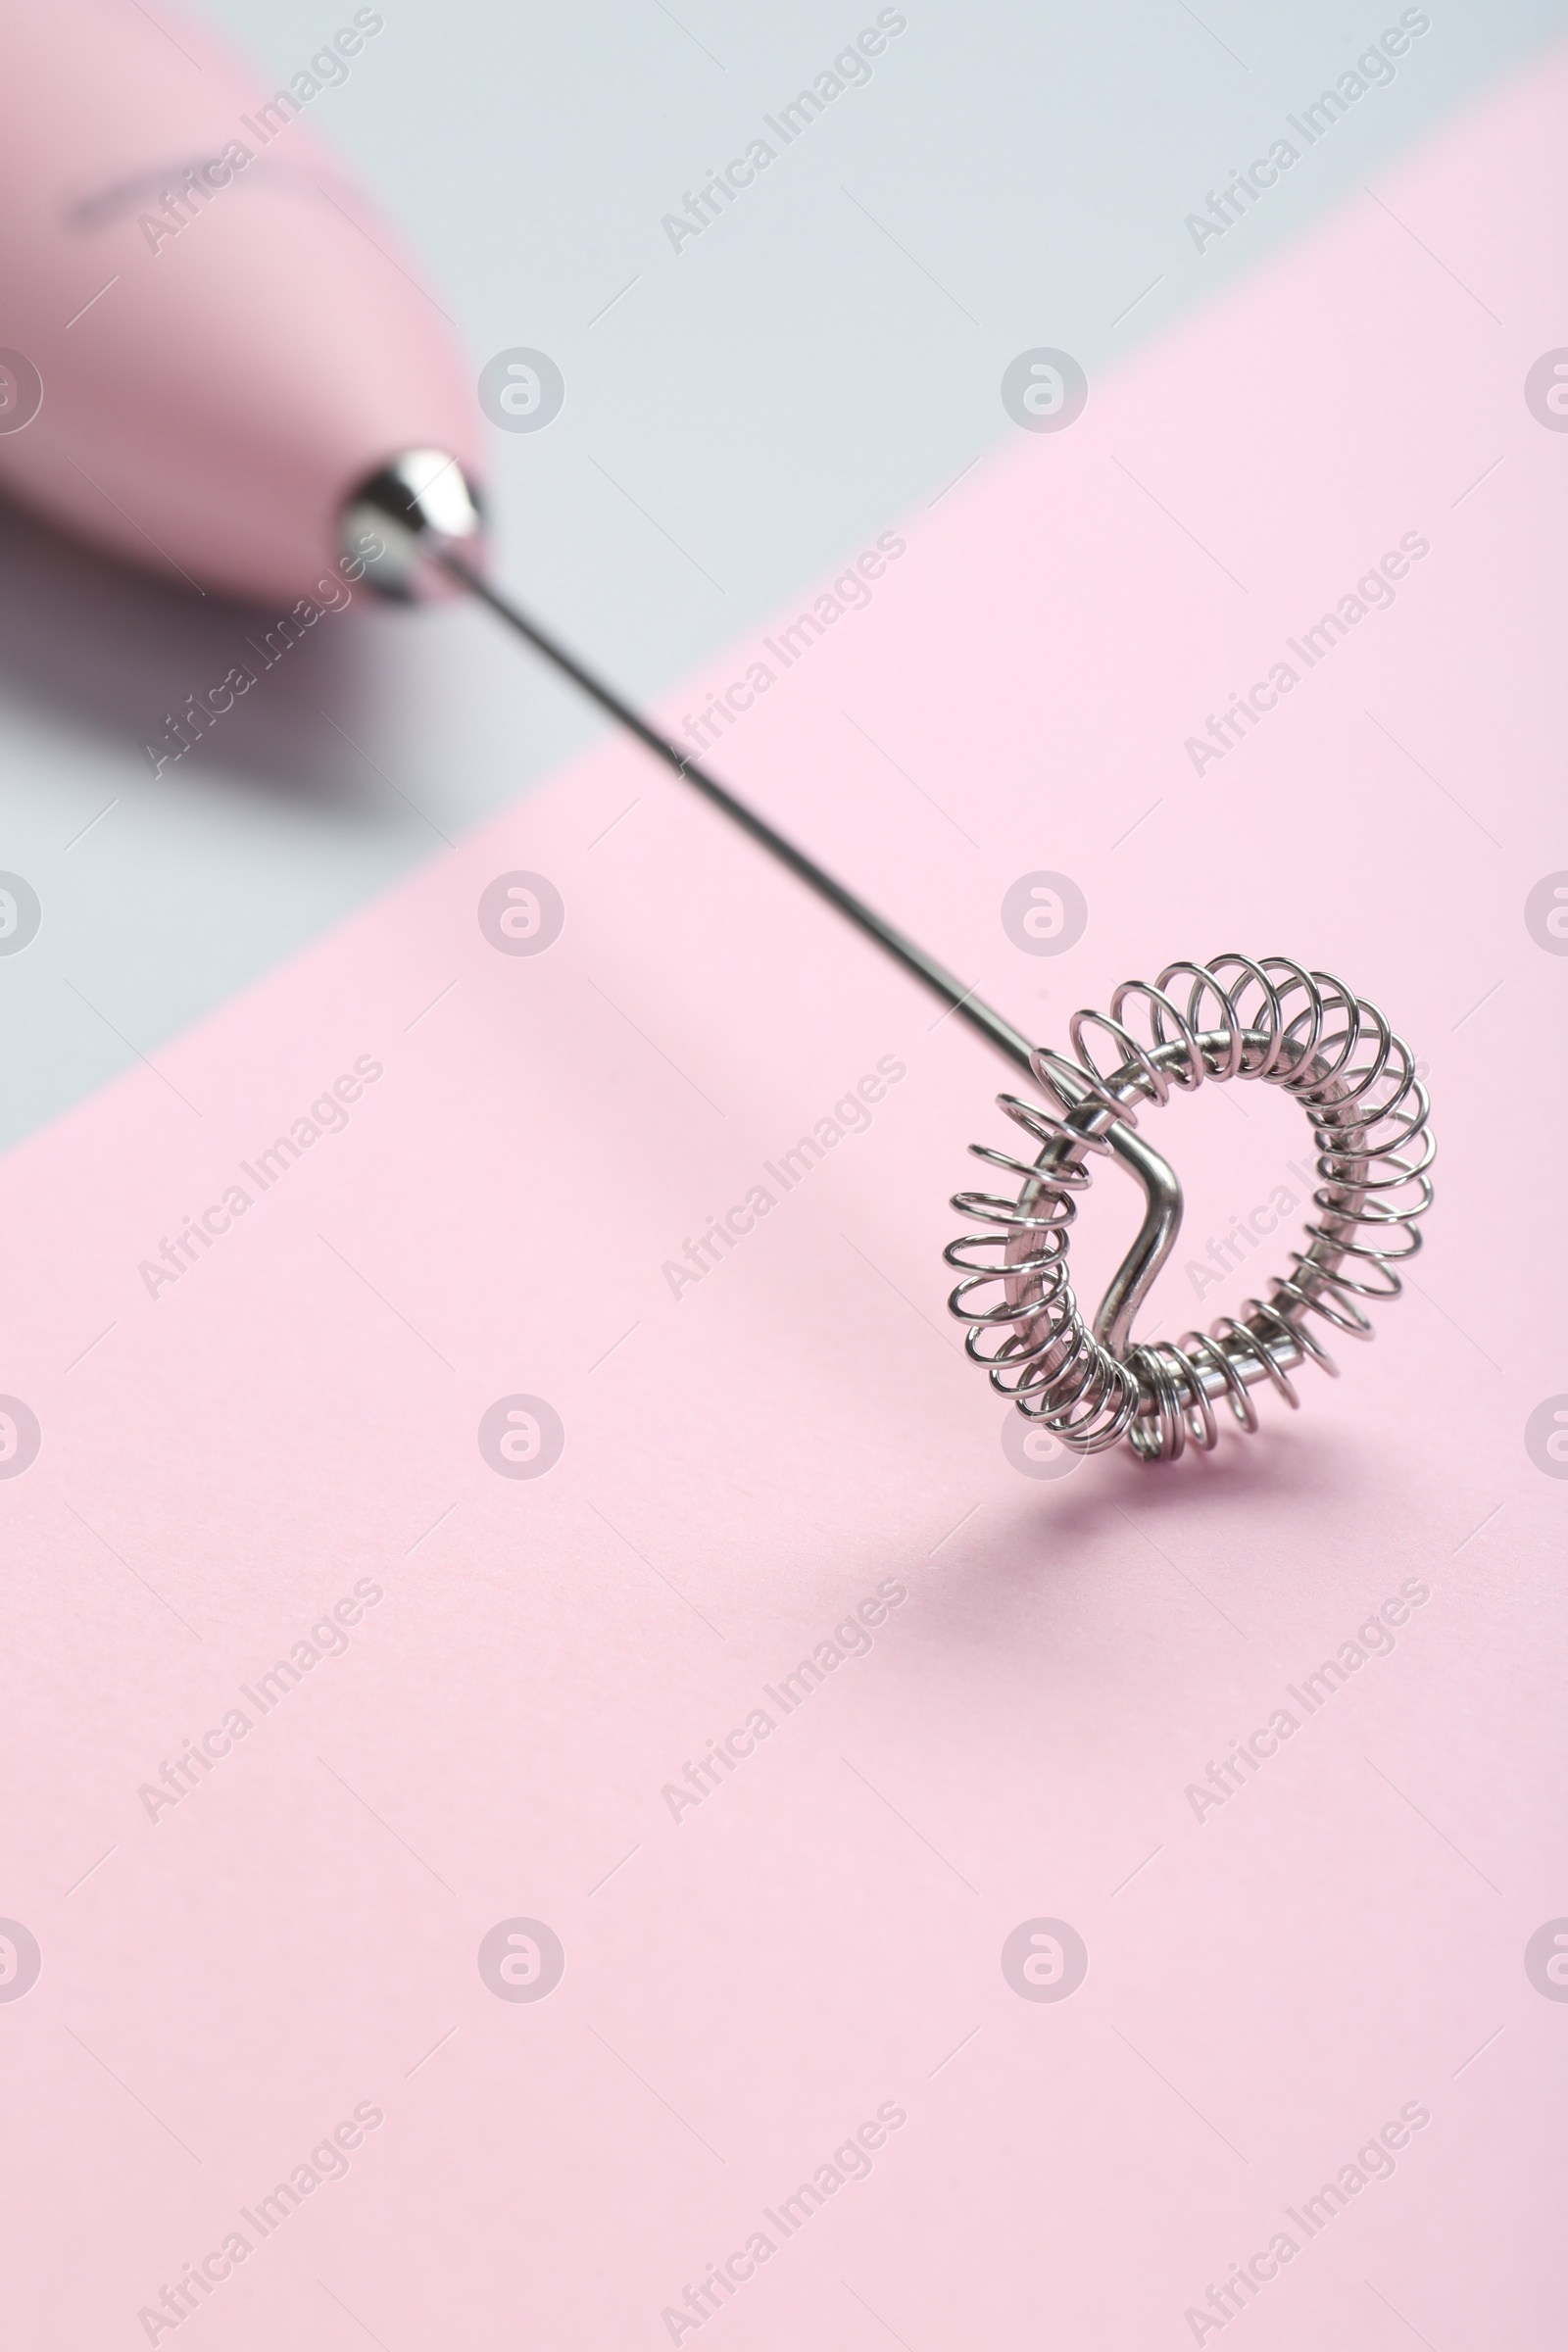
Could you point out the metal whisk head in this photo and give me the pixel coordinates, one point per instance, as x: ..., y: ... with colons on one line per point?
x: 1305, y: 1032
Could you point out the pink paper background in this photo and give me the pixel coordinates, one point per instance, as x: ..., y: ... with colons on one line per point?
x: 744, y: 1464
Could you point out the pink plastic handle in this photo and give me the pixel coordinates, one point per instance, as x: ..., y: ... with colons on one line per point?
x: 226, y: 338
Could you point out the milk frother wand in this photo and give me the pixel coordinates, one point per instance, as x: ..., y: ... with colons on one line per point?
x: 1087, y: 1386
x: 216, y: 361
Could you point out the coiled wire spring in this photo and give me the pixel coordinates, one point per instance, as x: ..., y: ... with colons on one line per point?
x: 1305, y: 1032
